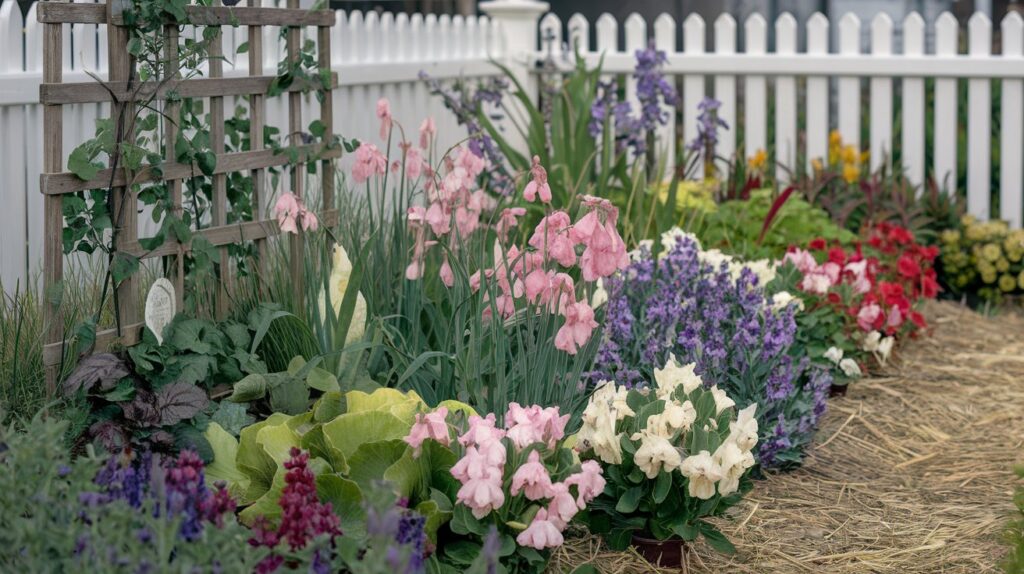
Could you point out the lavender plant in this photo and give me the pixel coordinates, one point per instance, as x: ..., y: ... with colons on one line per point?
x: 703, y: 308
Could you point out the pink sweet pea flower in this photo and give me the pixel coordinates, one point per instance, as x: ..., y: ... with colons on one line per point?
x: 446, y: 274
x: 467, y: 221
x: 538, y: 184
x: 369, y: 161
x: 552, y: 237
x: 286, y: 210
x: 605, y: 253
x: 482, y: 430
x: 538, y: 285
x: 589, y: 483
x: 427, y: 131
x: 413, y: 161
x: 542, y: 533
x: 508, y: 220
x: 429, y: 426
x: 579, y: 324
x: 895, y: 319
x: 532, y: 479
x: 472, y: 163
x: 482, y: 495
x: 438, y: 220
x: 309, y: 220
x: 868, y: 316
x: 384, y: 115
x: 803, y: 260
x: 562, y: 507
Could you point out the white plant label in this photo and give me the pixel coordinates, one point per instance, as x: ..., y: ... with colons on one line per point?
x: 160, y: 309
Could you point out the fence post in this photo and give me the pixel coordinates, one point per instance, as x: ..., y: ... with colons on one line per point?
x: 517, y: 21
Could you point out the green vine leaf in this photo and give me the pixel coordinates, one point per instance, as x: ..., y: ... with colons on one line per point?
x: 123, y: 266
x: 80, y: 164
x: 207, y: 162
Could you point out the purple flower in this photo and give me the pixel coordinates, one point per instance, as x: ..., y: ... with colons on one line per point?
x: 726, y: 326
x: 708, y: 123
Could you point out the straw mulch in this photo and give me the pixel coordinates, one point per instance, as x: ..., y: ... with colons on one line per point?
x: 911, y: 473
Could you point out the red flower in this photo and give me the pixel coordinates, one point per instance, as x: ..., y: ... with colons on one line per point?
x: 817, y: 244
x: 908, y: 267
x: 900, y: 235
x: 837, y: 255
x: 918, y: 319
x: 929, y: 286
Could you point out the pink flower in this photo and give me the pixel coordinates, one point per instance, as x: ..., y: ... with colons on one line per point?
x: 532, y: 479
x: 481, y: 431
x: 583, y: 229
x: 438, y: 220
x: 467, y: 221
x: 589, y: 483
x: 538, y: 285
x: 482, y: 495
x: 369, y: 161
x: 286, y: 210
x: 538, y: 184
x: 868, y: 316
x: 605, y: 253
x: 427, y: 131
x: 552, y: 238
x: 896, y: 317
x: 472, y: 163
x: 508, y: 221
x: 816, y: 282
x: 803, y: 260
x: 446, y: 274
x: 384, y: 115
x: 579, y: 324
x: 413, y: 161
x: 308, y: 220
x: 432, y: 426
x: 542, y: 533
x: 562, y: 507
x: 524, y: 425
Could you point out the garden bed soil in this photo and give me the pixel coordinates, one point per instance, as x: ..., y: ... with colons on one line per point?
x: 912, y: 471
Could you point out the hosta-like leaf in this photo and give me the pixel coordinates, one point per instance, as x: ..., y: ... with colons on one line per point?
x: 105, y: 369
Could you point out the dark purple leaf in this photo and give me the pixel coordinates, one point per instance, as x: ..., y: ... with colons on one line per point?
x: 180, y: 401
x: 106, y: 369
x: 110, y: 435
x: 161, y: 440
x: 142, y: 411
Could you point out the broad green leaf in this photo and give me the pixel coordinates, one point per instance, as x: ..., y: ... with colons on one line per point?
x: 277, y: 441
x: 314, y: 442
x: 370, y: 461
x: 80, y: 164
x: 224, y: 467
x: 630, y: 500
x: 322, y: 380
x: 346, y: 498
x: 330, y: 405
x: 350, y: 430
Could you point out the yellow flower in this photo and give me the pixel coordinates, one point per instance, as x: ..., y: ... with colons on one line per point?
x: 865, y: 156
x: 1020, y: 280
x: 851, y: 173
x: 691, y: 194
x: 758, y: 160
x: 849, y: 154
x: 816, y: 165
x: 991, y: 252
x: 835, y: 139
x: 1002, y: 265
x: 989, y: 277
x: 1007, y: 283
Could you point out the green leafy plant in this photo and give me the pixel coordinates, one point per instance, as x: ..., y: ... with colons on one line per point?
x: 286, y: 392
x: 354, y: 439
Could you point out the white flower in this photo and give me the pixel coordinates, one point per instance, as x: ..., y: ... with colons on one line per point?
x: 850, y: 368
x: 600, y: 296
x: 638, y: 253
x: 341, y: 273
x: 733, y: 462
x: 722, y: 400
x: 834, y: 354
x: 670, y: 238
x: 675, y: 417
x: 871, y: 341
x: 673, y: 376
x: 743, y: 431
x: 782, y: 299
x: 884, y: 348
x: 654, y: 454
x: 599, y: 434
x: 764, y: 269
x: 619, y: 404
x: 703, y: 472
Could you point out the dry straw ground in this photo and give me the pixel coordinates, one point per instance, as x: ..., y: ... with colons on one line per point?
x: 911, y: 474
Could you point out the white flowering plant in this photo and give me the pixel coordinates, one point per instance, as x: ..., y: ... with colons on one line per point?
x: 673, y: 454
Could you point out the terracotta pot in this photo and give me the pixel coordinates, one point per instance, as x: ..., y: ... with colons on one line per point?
x: 669, y: 553
x: 838, y: 390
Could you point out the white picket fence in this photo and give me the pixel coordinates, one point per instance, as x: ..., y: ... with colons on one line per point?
x: 806, y: 93
x: 374, y: 56
x: 886, y: 67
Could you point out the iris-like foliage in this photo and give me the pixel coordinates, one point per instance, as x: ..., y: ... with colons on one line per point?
x: 716, y: 315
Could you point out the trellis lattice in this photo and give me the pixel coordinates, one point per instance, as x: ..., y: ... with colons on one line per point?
x: 122, y: 93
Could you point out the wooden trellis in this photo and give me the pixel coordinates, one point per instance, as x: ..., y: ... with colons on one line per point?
x: 119, y: 91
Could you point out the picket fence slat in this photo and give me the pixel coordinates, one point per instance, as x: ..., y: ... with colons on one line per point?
x: 636, y: 39
x: 881, y: 95
x: 913, y: 109
x: 979, y: 121
x: 817, y: 93
x: 1011, y: 146
x: 693, y: 84
x: 755, y: 102
x: 945, y: 139
x: 725, y: 88
x: 785, y: 102
x: 665, y: 39
x: 849, y: 87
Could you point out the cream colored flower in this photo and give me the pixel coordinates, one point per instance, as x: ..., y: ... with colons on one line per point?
x: 885, y: 348
x: 764, y: 269
x: 674, y: 418
x: 834, y: 354
x: 620, y: 405
x: 673, y: 376
x: 850, y: 368
x: 670, y: 238
x: 733, y: 462
x: 722, y: 400
x: 600, y: 296
x: 599, y: 434
x: 337, y: 284
x: 870, y: 343
x: 703, y: 472
x: 743, y: 431
x: 656, y: 453
x: 783, y: 299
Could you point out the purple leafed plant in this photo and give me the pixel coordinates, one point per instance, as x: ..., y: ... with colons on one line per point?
x: 725, y: 325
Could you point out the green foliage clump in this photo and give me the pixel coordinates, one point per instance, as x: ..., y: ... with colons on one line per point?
x: 737, y: 225
x: 983, y: 260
